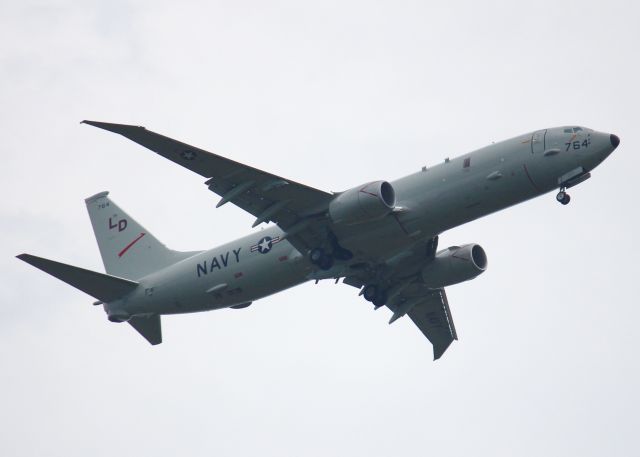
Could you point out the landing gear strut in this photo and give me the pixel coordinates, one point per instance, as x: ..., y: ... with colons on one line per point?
x: 563, y: 197
x: 337, y: 251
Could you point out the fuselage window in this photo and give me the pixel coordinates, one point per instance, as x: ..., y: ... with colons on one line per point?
x: 467, y: 162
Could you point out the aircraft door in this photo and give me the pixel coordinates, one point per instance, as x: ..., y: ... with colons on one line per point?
x: 537, y: 165
x: 538, y: 140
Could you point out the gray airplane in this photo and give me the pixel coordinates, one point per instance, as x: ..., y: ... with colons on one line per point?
x: 379, y: 237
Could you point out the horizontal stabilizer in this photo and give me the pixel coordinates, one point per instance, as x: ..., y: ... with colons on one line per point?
x: 149, y: 327
x: 104, y: 287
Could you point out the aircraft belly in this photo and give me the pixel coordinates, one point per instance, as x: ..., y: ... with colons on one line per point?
x: 374, y: 239
x: 229, y: 275
x: 265, y: 274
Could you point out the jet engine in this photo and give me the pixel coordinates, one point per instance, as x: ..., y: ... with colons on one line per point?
x: 365, y: 203
x: 454, y: 265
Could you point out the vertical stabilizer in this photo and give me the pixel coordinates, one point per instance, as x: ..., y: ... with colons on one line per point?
x: 128, y: 250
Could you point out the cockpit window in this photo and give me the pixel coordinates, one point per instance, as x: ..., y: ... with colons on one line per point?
x: 568, y: 130
x: 577, y: 129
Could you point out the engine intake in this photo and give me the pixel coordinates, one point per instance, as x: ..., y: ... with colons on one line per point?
x: 365, y: 203
x: 454, y: 265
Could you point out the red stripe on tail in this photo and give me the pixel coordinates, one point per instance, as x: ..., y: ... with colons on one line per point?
x: 121, y: 253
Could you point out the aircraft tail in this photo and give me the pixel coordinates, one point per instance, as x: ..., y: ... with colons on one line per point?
x: 128, y: 250
x: 105, y: 288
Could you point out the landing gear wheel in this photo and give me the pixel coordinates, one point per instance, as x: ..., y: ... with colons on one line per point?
x: 380, y: 299
x: 563, y: 197
x: 325, y: 262
x: 370, y: 292
x: 375, y: 295
x: 316, y: 255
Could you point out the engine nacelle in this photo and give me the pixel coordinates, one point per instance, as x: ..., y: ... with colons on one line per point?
x: 454, y: 265
x: 364, y: 203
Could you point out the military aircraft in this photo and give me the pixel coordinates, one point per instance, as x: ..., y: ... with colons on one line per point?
x: 380, y: 237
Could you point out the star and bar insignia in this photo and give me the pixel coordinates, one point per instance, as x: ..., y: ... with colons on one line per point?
x: 265, y: 244
x: 188, y: 154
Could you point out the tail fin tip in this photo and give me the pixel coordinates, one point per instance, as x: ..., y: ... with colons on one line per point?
x: 94, y: 197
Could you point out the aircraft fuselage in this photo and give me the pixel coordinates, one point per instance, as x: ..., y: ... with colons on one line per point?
x: 428, y: 203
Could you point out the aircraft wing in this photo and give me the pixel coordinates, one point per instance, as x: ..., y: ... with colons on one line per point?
x: 428, y: 309
x: 408, y: 295
x: 296, y: 208
x: 433, y: 317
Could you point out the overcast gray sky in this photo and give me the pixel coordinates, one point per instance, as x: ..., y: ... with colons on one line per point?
x: 332, y: 94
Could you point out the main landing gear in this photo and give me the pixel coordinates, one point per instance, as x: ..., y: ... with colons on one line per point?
x: 375, y: 294
x: 324, y: 260
x: 563, y: 197
x: 318, y: 257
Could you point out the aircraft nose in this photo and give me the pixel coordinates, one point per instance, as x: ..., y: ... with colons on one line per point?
x: 615, y: 141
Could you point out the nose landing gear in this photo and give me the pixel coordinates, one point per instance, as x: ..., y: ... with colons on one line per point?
x: 563, y: 197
